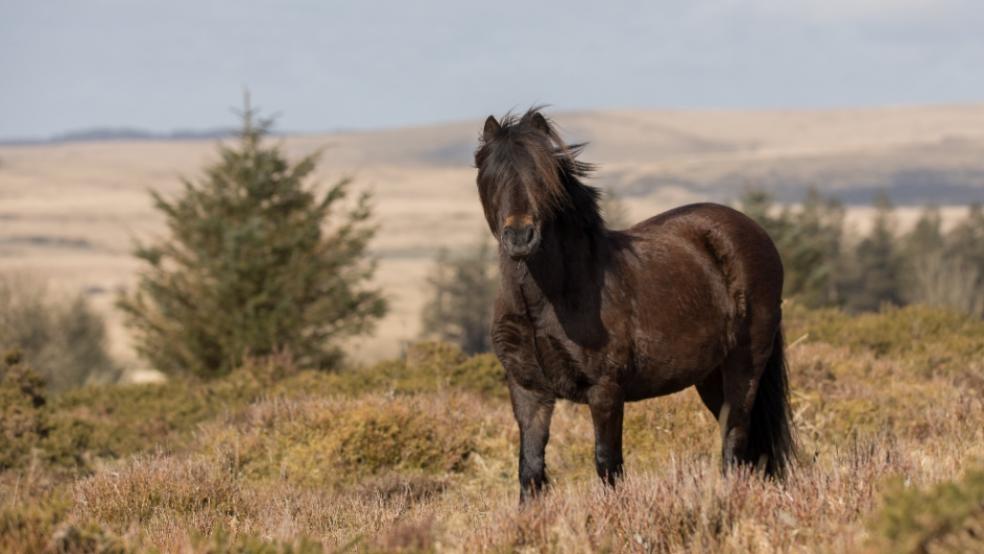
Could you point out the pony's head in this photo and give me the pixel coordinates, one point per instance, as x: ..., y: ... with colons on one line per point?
x: 527, y: 179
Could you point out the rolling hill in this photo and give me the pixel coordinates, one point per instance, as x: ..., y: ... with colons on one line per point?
x: 71, y: 209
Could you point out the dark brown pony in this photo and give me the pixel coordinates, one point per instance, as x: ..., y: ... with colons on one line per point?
x: 602, y: 317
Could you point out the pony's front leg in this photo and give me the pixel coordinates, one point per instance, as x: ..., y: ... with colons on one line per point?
x: 533, y: 412
x: 607, y: 405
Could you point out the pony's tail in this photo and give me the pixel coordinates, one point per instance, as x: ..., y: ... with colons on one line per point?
x: 771, y: 442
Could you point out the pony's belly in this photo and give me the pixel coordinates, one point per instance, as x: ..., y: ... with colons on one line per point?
x: 666, y: 370
x: 650, y: 381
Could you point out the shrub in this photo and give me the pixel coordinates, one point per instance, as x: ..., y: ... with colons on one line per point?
x: 925, y: 338
x: 23, y: 424
x: 28, y: 524
x: 342, y: 441
x: 427, y: 367
x: 122, y: 420
x: 222, y: 542
x: 256, y: 263
x: 85, y: 539
x: 462, y: 293
x: 62, y: 338
x: 948, y: 517
x: 151, y: 490
x: 435, y: 365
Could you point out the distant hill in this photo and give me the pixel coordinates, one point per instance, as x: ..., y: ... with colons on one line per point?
x: 918, y: 155
x: 119, y: 134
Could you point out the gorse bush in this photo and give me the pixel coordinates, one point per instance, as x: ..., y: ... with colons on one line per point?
x: 256, y: 263
x: 62, y: 338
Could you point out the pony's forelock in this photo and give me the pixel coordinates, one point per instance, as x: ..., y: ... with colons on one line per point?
x: 528, y: 148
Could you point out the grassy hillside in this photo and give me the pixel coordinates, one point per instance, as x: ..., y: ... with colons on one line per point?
x: 419, y: 454
x: 70, y: 211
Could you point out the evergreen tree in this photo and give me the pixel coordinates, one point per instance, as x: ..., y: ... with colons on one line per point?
x: 809, y: 241
x: 463, y: 290
x: 964, y: 248
x: 811, y: 247
x: 256, y: 262
x: 927, y: 235
x: 923, y: 246
x: 760, y: 206
x: 966, y: 240
x: 877, y: 265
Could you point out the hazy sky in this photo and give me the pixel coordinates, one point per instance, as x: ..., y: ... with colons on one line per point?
x: 69, y: 64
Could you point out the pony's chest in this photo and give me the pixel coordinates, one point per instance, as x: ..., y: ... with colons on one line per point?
x: 567, y: 369
x: 543, y: 356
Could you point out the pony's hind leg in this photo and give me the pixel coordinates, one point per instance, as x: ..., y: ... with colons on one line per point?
x: 739, y: 382
x: 711, y: 392
x: 755, y: 416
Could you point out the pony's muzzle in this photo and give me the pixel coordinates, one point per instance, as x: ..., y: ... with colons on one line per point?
x: 520, y: 241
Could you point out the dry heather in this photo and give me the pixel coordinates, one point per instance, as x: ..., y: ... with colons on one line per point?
x: 418, y: 455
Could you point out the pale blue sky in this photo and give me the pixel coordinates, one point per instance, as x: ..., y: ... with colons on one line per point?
x: 161, y: 65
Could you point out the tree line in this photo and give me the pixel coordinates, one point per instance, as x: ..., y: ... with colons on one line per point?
x: 826, y: 264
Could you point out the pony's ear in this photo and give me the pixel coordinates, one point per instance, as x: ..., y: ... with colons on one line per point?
x: 491, y: 128
x: 540, y: 122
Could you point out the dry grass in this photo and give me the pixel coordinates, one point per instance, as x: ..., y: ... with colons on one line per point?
x: 420, y: 459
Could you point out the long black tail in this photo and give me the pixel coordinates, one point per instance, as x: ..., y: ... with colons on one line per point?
x: 771, y: 440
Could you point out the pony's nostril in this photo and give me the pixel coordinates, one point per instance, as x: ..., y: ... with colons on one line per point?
x: 518, y: 239
x: 507, y: 235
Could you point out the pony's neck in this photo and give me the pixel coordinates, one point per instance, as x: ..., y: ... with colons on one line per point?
x: 567, y: 266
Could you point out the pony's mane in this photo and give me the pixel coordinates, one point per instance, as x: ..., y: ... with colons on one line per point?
x: 529, y: 148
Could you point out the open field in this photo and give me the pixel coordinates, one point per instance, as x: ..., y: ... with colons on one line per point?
x: 69, y: 212
x: 419, y: 454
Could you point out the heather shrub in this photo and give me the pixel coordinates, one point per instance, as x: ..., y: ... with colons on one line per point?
x: 426, y: 367
x: 222, y: 542
x: 419, y: 454
x: 27, y: 524
x: 947, y: 517
x: 434, y: 365
x: 122, y: 420
x: 86, y: 539
x: 153, y: 491
x: 923, y: 338
x: 340, y: 441
x: 23, y: 421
